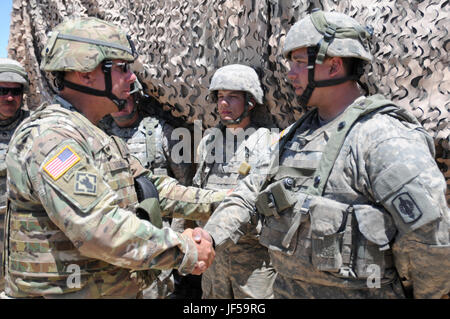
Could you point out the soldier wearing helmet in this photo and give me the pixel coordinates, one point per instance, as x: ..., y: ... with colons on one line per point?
x: 353, y: 202
x: 226, y: 155
x: 83, y: 216
x: 13, y: 83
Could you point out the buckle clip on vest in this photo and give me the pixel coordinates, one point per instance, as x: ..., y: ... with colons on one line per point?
x: 265, y: 204
x: 304, y: 210
x: 274, y: 200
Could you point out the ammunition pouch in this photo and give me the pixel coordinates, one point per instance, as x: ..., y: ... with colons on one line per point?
x: 346, y: 240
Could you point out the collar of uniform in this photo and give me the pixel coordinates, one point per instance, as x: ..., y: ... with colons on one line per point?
x: 64, y: 103
x: 323, y: 122
x: 12, y: 121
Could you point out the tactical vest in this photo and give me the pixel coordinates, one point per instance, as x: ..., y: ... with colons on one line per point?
x: 306, y: 232
x: 144, y: 142
x: 226, y: 175
x: 39, y: 255
x: 6, y: 132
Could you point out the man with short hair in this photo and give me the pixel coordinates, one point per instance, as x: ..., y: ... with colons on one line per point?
x: 226, y: 155
x: 83, y: 218
x: 353, y: 202
x: 13, y: 84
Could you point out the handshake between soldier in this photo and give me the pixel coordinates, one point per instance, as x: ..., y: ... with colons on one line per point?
x: 205, y: 249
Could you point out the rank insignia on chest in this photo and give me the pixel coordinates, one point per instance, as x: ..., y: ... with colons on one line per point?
x: 85, y: 183
x: 61, y: 163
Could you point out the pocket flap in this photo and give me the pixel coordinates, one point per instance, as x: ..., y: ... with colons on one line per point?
x: 327, y: 216
x: 375, y: 224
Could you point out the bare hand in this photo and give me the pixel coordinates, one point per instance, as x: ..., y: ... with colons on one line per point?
x: 199, y: 233
x: 205, y: 250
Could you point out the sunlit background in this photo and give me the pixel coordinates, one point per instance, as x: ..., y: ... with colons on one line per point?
x: 5, y: 18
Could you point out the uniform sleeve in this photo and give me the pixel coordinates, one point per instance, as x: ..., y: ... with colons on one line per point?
x: 405, y: 179
x: 181, y: 170
x: 186, y: 202
x: 81, y: 203
x: 238, y: 208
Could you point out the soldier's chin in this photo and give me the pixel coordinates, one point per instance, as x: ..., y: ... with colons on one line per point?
x: 126, y: 111
x: 227, y: 118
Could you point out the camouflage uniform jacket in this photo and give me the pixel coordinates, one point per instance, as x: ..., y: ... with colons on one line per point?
x: 7, y: 128
x: 70, y: 225
x: 150, y: 141
x: 386, y: 173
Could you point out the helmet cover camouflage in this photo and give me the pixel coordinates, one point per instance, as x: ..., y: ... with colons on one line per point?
x: 13, y: 71
x: 237, y: 77
x: 348, y: 37
x: 81, y: 44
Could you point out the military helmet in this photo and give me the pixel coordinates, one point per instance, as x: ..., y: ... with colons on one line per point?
x: 237, y: 77
x: 336, y: 34
x: 81, y: 44
x: 13, y: 71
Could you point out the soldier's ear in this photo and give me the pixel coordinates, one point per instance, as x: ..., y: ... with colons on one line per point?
x: 336, y: 66
x: 85, y: 78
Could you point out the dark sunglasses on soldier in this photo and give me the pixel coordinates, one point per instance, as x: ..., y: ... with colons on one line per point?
x: 14, y: 91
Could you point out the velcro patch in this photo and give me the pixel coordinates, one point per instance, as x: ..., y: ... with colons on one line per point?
x: 407, y: 208
x: 85, y: 183
x: 61, y: 163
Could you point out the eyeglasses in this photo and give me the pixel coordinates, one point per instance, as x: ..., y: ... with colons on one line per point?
x: 124, y: 66
x: 14, y: 91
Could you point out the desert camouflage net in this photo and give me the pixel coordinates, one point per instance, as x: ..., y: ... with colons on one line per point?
x: 182, y: 43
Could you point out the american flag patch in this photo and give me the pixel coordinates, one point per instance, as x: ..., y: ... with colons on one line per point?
x: 61, y: 163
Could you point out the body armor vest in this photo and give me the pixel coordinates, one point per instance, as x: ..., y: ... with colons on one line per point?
x: 7, y: 129
x: 38, y: 251
x: 225, y: 174
x: 338, y: 254
x: 143, y: 142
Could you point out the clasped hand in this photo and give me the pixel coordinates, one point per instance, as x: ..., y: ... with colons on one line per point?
x: 205, y: 250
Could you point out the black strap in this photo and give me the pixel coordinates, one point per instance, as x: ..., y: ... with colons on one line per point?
x: 106, y: 68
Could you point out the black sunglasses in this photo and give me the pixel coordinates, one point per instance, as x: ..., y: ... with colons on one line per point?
x: 14, y: 91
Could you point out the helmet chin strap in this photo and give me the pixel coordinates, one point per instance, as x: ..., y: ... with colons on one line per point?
x: 243, y: 115
x: 126, y: 117
x: 312, y: 84
x: 106, y: 68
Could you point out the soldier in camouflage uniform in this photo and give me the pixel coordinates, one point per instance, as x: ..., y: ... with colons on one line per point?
x: 13, y: 83
x: 353, y: 202
x: 71, y: 226
x: 242, y: 270
x: 149, y: 140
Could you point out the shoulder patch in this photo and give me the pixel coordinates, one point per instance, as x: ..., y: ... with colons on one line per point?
x: 85, y: 183
x: 407, y: 208
x: 61, y: 163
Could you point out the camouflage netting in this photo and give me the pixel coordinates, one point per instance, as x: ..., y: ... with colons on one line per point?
x: 182, y: 43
